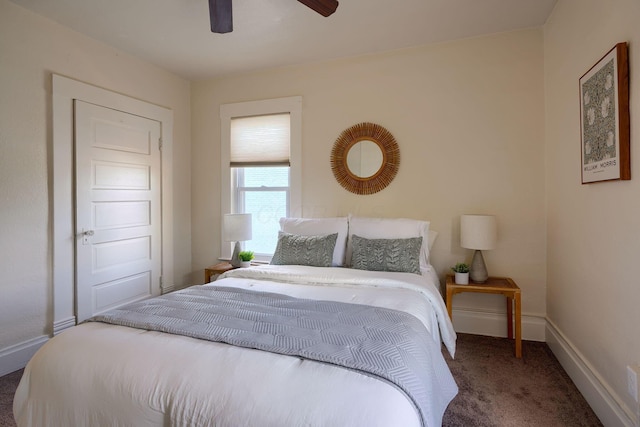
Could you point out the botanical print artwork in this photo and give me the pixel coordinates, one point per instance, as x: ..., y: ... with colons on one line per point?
x: 604, y: 118
x: 599, y: 116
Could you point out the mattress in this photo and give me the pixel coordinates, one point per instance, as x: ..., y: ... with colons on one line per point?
x: 100, y: 374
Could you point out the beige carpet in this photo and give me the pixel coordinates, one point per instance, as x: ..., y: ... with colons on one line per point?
x: 496, y: 389
x: 8, y: 385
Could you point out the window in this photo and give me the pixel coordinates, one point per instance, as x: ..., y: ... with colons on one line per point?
x: 264, y: 193
x: 260, y: 157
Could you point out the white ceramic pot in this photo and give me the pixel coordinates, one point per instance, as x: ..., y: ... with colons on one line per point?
x: 245, y: 264
x: 462, y: 278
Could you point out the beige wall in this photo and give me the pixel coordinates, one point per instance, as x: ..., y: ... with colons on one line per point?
x: 593, y: 230
x: 468, y: 117
x: 31, y: 49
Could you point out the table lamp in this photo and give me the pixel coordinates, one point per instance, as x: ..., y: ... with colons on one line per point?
x: 479, y: 232
x: 236, y: 228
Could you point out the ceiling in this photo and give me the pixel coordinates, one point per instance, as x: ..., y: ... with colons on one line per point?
x: 175, y: 34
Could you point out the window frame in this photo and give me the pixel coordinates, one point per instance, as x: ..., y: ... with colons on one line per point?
x: 291, y: 105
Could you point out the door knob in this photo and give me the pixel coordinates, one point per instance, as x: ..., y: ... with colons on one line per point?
x: 86, y: 234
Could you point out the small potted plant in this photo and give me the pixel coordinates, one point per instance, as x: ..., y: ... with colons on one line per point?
x: 461, y: 271
x: 245, y: 258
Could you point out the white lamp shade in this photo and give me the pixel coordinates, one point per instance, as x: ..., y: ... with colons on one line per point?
x: 236, y: 227
x: 478, y: 231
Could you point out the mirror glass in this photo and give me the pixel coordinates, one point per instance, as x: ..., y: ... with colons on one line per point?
x: 364, y: 159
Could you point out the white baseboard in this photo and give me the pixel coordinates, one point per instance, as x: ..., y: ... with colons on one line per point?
x: 605, y: 402
x: 16, y: 357
x: 61, y: 325
x: 494, y: 324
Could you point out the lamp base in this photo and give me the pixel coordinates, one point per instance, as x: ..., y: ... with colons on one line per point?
x: 478, y: 270
x: 235, y: 259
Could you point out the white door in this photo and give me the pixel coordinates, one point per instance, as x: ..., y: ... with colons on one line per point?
x: 118, y: 215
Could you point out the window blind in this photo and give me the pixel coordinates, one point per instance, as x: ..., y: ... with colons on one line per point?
x: 260, y: 140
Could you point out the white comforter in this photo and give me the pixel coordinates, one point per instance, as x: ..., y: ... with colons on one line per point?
x: 99, y: 374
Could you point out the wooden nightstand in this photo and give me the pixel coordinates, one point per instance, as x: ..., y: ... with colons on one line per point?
x: 494, y: 285
x: 215, y: 270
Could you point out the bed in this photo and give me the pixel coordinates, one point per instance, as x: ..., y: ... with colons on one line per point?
x: 106, y: 372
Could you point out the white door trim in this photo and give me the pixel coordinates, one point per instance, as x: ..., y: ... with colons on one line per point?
x: 65, y: 90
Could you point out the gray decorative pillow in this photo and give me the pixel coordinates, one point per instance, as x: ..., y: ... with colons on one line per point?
x: 316, y: 251
x: 401, y: 255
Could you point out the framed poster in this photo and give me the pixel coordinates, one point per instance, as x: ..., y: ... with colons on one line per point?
x: 604, y: 118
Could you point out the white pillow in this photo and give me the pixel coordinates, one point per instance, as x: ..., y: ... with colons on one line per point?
x: 321, y: 226
x: 432, y: 238
x: 391, y: 228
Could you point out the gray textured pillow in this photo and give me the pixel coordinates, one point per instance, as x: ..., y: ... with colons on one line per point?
x: 401, y: 255
x: 316, y: 251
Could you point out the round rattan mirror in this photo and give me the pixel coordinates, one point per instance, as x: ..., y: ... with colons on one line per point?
x: 365, y: 158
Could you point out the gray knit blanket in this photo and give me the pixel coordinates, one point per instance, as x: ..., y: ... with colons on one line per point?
x: 388, y: 344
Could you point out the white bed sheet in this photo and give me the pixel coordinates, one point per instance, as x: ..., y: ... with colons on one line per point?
x: 99, y: 374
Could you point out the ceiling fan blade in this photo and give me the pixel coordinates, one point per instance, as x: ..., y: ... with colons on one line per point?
x: 323, y: 7
x: 220, y: 16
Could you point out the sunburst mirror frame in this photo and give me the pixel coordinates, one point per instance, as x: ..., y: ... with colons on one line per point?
x: 390, y: 158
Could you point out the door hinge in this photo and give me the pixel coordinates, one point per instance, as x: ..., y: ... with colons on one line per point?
x: 159, y: 143
x: 160, y: 281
